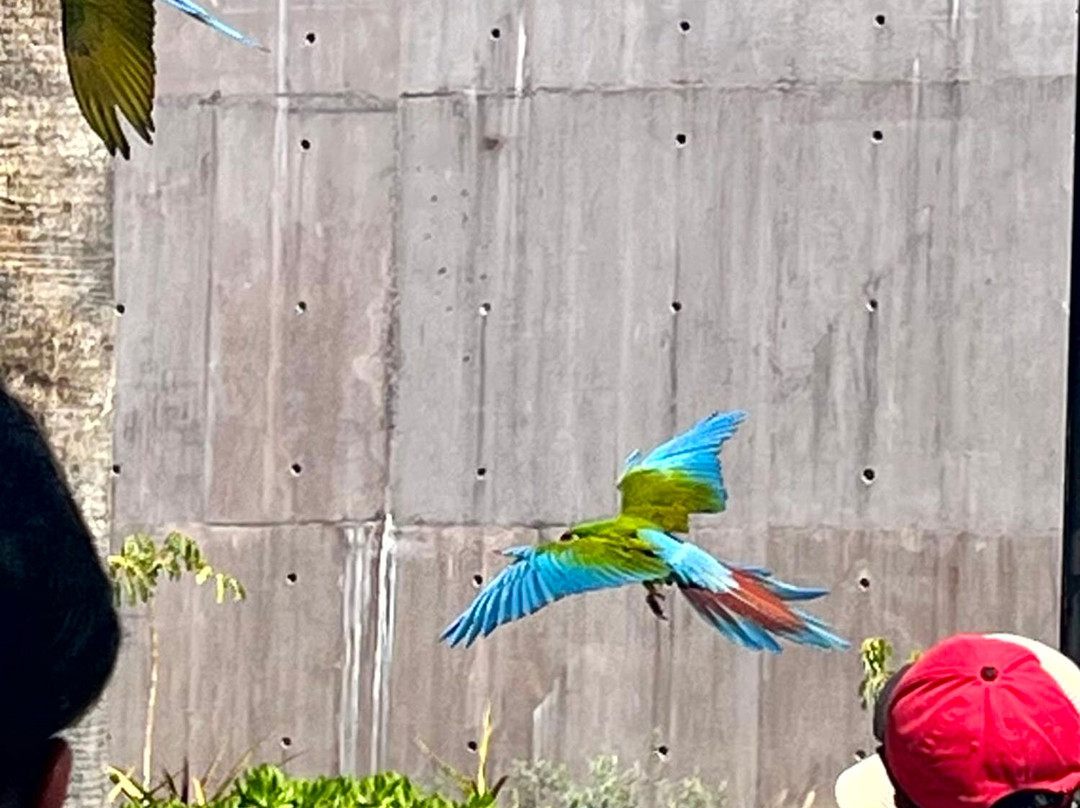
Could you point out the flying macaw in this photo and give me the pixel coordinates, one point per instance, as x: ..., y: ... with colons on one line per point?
x: 659, y: 492
x: 109, y: 46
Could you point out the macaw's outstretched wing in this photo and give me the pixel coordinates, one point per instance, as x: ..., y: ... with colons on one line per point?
x: 109, y: 46
x: 549, y: 572
x: 680, y: 477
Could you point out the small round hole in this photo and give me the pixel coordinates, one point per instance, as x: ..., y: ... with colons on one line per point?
x: 868, y: 475
x: 684, y: 26
x: 860, y: 754
x: 286, y: 742
x: 872, y: 304
x: 676, y: 306
x: 441, y: 271
x: 290, y: 579
x: 296, y: 469
x: 680, y: 139
x: 305, y: 144
x: 877, y: 136
x: 116, y: 470
x: 879, y: 20
x: 120, y: 308
x: 485, y: 309
x: 301, y: 306
x: 662, y: 751
x: 434, y: 197
x: 478, y: 580
x: 864, y: 583
x: 471, y: 746
x: 495, y: 33
x: 481, y: 473
x: 310, y: 37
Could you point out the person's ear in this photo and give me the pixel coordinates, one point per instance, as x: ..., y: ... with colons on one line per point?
x: 55, y: 778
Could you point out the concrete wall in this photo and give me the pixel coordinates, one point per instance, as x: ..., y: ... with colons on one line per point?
x: 509, y: 263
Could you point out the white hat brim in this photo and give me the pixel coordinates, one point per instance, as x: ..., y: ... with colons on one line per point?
x: 865, y: 785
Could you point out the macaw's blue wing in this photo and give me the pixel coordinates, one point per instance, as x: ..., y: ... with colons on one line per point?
x: 680, y: 477
x: 204, y: 16
x: 745, y: 604
x: 551, y: 571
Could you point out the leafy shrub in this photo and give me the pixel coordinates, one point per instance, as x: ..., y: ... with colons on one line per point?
x: 542, y: 784
x: 876, y: 654
x: 268, y: 786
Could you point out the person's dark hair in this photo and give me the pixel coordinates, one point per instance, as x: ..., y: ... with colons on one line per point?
x: 59, y: 631
x: 1036, y: 799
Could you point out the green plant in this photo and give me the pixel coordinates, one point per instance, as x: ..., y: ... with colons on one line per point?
x: 474, y: 789
x: 876, y: 654
x: 269, y: 787
x: 136, y: 572
x: 543, y: 784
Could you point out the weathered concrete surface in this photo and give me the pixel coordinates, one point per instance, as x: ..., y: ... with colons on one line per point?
x: 511, y: 264
x: 271, y: 675
x: 56, y: 317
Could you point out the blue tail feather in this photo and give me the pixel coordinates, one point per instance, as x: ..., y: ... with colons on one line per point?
x: 204, y: 16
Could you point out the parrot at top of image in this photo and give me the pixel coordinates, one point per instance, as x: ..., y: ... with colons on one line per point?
x: 659, y: 491
x: 109, y: 46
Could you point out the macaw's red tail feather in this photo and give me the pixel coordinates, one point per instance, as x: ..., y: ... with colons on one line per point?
x: 754, y: 613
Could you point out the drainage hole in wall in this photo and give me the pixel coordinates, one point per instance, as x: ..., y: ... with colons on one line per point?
x: 301, y: 306
x: 872, y: 304
x: 495, y: 33
x: 485, y: 309
x: 286, y: 742
x: 290, y: 579
x: 471, y: 746
x: 478, y: 580
x: 877, y: 136
x: 662, y: 751
x: 305, y: 144
x: 868, y: 475
x: 684, y: 25
x: 120, y: 308
x: 116, y: 470
x: 296, y: 469
x: 680, y: 139
x: 481, y: 473
x: 864, y: 583
x: 676, y: 306
x: 879, y: 20
x: 310, y: 37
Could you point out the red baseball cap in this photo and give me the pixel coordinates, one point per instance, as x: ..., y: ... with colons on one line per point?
x: 976, y: 718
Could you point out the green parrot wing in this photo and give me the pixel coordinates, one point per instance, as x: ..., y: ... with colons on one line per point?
x: 109, y: 46
x: 551, y: 571
x: 680, y: 477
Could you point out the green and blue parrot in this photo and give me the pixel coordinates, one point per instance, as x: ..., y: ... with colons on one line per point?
x: 109, y: 45
x: 639, y: 546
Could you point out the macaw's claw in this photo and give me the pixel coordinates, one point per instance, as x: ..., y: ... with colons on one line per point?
x: 653, y: 599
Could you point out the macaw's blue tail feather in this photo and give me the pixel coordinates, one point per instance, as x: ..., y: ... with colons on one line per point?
x: 753, y: 612
x: 782, y: 589
x: 204, y: 16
